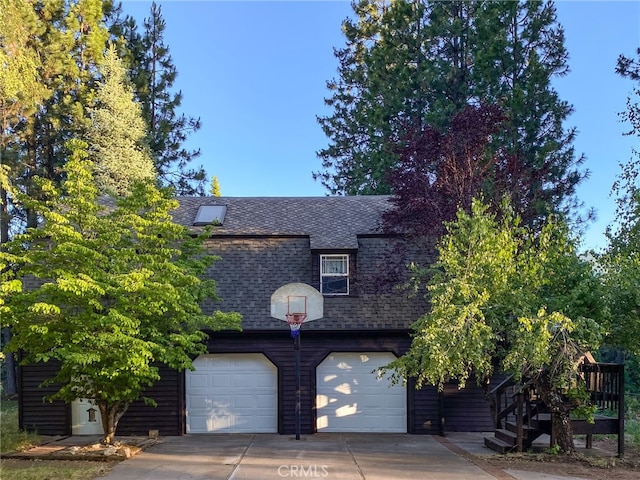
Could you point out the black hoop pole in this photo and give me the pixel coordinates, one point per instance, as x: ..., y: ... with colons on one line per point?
x: 296, y: 347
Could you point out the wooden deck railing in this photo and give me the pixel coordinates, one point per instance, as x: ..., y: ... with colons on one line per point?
x: 519, y: 403
x: 605, y: 382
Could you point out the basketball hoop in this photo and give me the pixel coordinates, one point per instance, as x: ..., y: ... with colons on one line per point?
x: 295, y: 321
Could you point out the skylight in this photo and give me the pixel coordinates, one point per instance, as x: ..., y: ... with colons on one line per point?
x: 210, y: 215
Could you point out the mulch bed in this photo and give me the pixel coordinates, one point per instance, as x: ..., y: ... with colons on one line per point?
x: 78, y: 448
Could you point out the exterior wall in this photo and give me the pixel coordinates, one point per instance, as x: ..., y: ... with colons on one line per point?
x: 36, y: 413
x: 252, y: 268
x: 466, y: 410
x: 463, y: 410
x: 374, y: 317
x: 167, y: 416
x: 54, y: 418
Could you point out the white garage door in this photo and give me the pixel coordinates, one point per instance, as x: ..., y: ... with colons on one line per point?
x: 232, y: 393
x: 350, y: 398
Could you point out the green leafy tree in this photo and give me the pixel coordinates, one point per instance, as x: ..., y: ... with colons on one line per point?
x: 410, y: 64
x: 503, y: 294
x: 154, y: 74
x: 119, y: 291
x: 117, y: 136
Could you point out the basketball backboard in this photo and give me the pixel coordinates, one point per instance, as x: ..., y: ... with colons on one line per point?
x: 297, y: 298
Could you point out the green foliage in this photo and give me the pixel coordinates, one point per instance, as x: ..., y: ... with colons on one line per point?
x: 553, y: 450
x: 117, y: 136
x: 58, y: 46
x: 409, y: 64
x: 621, y: 260
x: 215, y: 187
x: 113, y: 289
x: 491, y: 295
x: 506, y: 295
x: 20, y: 91
x: 154, y: 75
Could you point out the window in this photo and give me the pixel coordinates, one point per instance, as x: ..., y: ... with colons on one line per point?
x: 334, y: 274
x: 210, y: 215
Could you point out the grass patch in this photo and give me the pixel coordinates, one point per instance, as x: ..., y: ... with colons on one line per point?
x: 11, y: 437
x: 52, y: 469
x: 632, y: 432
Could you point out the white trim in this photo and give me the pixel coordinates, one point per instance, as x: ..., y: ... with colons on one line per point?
x: 341, y: 261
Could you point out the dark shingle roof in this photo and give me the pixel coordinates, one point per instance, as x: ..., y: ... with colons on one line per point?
x: 330, y: 222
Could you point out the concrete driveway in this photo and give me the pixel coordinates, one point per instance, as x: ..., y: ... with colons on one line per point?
x: 322, y: 456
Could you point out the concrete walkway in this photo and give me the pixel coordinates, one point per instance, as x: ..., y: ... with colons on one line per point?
x: 330, y: 456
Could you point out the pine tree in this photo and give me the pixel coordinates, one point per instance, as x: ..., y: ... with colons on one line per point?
x: 69, y: 39
x: 622, y: 256
x: 215, y: 187
x: 154, y: 74
x: 117, y: 137
x: 408, y: 65
x: 21, y: 93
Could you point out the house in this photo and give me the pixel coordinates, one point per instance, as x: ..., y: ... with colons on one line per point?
x: 247, y: 381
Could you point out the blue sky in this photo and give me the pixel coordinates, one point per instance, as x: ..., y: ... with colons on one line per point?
x: 256, y: 72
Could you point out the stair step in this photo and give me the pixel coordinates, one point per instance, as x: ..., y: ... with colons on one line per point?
x: 513, y: 427
x: 497, y: 445
x: 542, y: 422
x: 506, y: 436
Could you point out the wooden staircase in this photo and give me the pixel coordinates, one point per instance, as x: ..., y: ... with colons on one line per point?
x: 521, y: 416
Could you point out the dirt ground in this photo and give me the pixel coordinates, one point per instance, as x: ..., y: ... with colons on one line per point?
x: 593, y: 467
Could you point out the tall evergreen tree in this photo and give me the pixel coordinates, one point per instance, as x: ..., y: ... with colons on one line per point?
x: 21, y: 93
x: 372, y: 96
x: 215, y: 187
x: 411, y: 64
x: 622, y: 257
x: 154, y: 74
x: 117, y: 136
x: 68, y: 38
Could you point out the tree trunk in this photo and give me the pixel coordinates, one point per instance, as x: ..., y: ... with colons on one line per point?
x: 10, y: 387
x: 560, y: 407
x: 562, y: 431
x: 111, y: 413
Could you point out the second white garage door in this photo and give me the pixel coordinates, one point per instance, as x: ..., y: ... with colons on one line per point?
x: 350, y: 398
x: 232, y: 393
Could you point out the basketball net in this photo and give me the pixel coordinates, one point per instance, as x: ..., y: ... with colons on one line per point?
x: 295, y: 321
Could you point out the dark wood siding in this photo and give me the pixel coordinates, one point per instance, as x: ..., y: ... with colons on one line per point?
x: 36, y: 413
x: 423, y: 411
x: 167, y: 417
x: 467, y: 409
x: 463, y: 410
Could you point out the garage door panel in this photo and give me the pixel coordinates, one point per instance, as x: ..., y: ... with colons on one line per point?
x: 217, y: 381
x: 196, y: 380
x: 351, y: 398
x: 243, y: 380
x: 239, y: 395
x: 198, y: 401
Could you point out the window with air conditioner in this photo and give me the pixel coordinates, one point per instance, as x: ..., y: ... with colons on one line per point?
x: 334, y: 274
